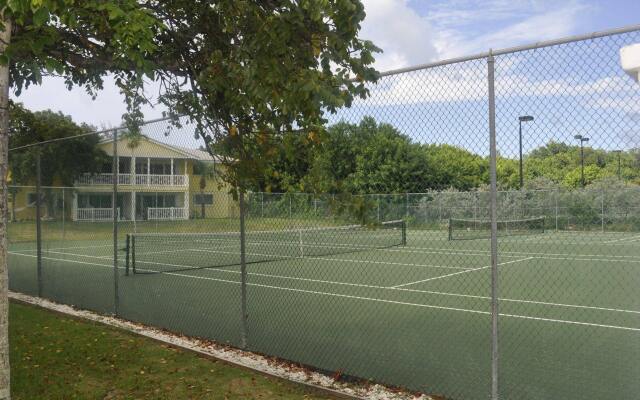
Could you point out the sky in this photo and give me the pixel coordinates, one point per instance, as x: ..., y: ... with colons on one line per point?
x: 410, y: 32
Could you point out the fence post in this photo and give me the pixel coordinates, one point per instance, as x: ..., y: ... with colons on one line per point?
x: 243, y: 274
x: 557, y: 194
x: 602, y: 208
x: 114, y: 205
x: 406, y: 205
x: 494, y: 228
x: 64, y: 210
x: 38, y: 221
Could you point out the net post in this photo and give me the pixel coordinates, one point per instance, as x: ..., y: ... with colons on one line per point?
x: 404, y: 232
x: 301, y: 243
x: 38, y: 221
x: 133, y: 254
x: 450, y: 229
x: 494, y: 225
x: 127, y: 249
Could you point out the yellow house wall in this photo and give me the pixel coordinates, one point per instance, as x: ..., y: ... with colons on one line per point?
x: 223, y: 204
x: 23, y: 211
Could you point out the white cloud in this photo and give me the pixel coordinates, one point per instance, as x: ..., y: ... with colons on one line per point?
x: 512, y: 25
x: 443, y: 29
x: 105, y: 111
x: 405, y: 36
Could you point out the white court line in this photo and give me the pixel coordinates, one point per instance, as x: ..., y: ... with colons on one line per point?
x: 569, y: 322
x: 631, y: 239
x: 376, y: 286
x: 69, y: 248
x: 359, y: 285
x: 504, y: 253
x: 331, y: 259
x: 457, y: 273
x: 470, y: 252
x: 382, y: 300
x: 293, y: 258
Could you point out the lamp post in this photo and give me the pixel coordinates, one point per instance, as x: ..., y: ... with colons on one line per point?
x: 521, y: 119
x: 582, y: 140
x: 619, y: 152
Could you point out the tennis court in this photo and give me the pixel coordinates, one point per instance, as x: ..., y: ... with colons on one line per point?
x: 415, y: 314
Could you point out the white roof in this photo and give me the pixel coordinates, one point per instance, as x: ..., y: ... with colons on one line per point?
x: 197, y: 154
x: 194, y: 154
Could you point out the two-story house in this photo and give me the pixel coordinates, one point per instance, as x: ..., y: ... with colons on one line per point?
x: 156, y: 181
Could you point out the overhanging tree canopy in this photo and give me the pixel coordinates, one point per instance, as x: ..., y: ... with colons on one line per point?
x: 249, y: 72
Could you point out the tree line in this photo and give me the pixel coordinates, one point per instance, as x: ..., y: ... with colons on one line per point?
x: 367, y: 157
x: 372, y: 157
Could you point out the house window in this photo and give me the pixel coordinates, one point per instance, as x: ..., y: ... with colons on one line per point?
x: 31, y: 199
x: 94, y: 201
x: 160, y: 168
x: 202, y: 198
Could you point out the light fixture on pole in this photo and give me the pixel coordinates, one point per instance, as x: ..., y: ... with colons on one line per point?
x: 630, y: 60
x: 582, y: 140
x: 521, y: 119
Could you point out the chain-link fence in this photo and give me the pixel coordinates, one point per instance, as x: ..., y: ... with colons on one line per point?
x: 478, y: 235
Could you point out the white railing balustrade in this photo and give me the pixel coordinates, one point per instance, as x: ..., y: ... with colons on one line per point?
x: 167, y: 213
x: 95, y: 214
x: 128, y: 179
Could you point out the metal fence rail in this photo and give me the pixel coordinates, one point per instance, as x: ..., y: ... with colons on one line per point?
x: 539, y: 301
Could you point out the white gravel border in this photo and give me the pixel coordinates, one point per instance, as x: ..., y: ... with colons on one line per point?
x: 264, y: 365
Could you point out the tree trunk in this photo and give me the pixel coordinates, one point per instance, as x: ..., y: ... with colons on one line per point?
x: 5, y: 37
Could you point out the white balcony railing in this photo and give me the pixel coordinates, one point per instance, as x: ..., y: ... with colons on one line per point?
x: 95, y: 214
x: 162, y: 180
x: 129, y: 179
x: 167, y: 213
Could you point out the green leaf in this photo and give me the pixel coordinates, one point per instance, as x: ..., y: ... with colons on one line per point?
x: 40, y: 16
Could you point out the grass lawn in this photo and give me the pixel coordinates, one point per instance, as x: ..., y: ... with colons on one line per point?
x: 59, y: 357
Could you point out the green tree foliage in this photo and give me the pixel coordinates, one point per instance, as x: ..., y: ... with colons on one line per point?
x: 249, y: 73
x: 372, y: 157
x: 367, y: 158
x: 82, y: 42
x: 62, y: 161
x: 456, y: 168
x: 560, y: 162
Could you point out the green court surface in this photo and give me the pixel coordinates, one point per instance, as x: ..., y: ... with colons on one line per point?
x: 416, y: 315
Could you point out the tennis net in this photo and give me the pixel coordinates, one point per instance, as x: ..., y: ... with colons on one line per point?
x: 481, y: 229
x: 171, y: 252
